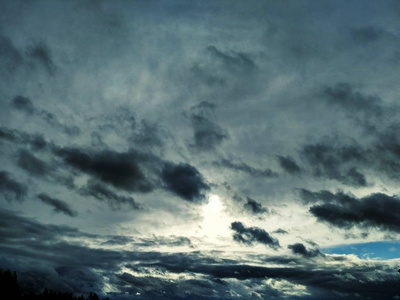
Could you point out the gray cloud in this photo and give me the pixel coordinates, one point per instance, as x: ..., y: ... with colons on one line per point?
x: 11, y: 189
x: 288, y: 164
x: 280, y: 231
x: 59, y: 206
x: 336, y: 162
x: 245, y: 168
x: 368, y: 34
x: 364, y: 109
x: 300, y: 249
x: 35, y: 141
x: 41, y: 53
x: 26, y: 105
x: 114, y: 200
x: 10, y: 57
x: 249, y: 235
x: 207, y: 134
x: 23, y: 104
x: 254, y: 207
x: 32, y: 164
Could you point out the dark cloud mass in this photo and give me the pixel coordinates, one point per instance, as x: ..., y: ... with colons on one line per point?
x: 197, y: 150
x: 185, y: 181
x: 249, y: 235
x: 59, y: 206
x: 289, y: 165
x: 345, y: 211
x: 121, y: 170
x: 254, y: 207
x: 300, y: 249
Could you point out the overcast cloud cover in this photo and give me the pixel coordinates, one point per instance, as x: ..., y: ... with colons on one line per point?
x: 201, y: 149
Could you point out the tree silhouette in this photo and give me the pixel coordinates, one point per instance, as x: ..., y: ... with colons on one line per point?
x: 9, y: 284
x: 9, y: 289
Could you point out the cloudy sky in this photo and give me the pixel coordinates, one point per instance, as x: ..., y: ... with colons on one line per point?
x: 201, y: 149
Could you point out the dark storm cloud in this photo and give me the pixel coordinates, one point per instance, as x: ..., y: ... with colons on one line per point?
x: 254, y: 207
x: 185, y: 181
x: 336, y: 162
x: 288, y: 164
x: 300, y: 249
x: 114, y: 200
x: 10, y: 188
x: 41, y: 53
x: 32, y: 164
x: 249, y: 235
x: 345, y: 211
x: 245, y: 168
x: 122, y: 170
x: 59, y: 206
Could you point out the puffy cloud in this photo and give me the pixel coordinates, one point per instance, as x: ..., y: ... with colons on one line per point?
x: 300, y: 249
x: 185, y: 181
x: 249, y: 235
x: 254, y: 207
x: 345, y: 211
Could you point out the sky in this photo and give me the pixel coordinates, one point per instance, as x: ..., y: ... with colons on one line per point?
x: 201, y: 149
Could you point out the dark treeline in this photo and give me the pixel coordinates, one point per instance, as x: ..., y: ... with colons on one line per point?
x: 9, y: 287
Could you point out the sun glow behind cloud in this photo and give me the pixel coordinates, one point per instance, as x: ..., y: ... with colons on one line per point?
x: 215, y: 220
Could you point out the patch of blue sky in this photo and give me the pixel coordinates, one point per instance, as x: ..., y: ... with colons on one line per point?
x: 371, y: 250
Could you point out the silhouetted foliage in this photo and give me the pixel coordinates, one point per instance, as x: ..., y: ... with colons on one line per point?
x: 9, y: 286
